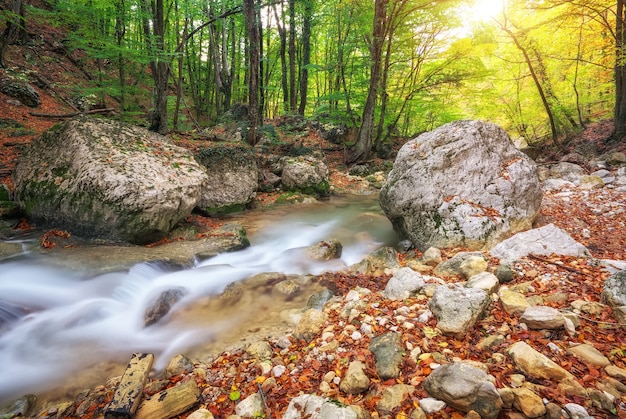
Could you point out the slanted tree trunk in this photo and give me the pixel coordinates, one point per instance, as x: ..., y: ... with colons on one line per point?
x: 363, y: 146
x: 282, y: 33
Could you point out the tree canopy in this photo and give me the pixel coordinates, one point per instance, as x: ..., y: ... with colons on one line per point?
x: 388, y: 68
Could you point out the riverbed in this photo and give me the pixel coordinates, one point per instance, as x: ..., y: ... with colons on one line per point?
x: 65, y: 329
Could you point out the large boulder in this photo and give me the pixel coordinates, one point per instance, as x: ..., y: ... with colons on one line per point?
x: 109, y: 180
x: 306, y: 174
x: 614, y: 294
x: 463, y: 184
x: 233, y: 178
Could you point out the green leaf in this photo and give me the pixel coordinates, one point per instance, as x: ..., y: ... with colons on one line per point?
x: 234, y: 395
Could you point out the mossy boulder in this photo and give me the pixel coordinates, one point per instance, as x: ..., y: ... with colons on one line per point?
x: 232, y: 177
x: 461, y: 185
x: 305, y: 174
x: 109, y: 180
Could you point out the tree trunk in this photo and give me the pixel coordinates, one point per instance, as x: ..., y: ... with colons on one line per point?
x: 158, y: 65
x: 282, y: 33
x: 306, y: 54
x: 292, y: 56
x: 14, y: 23
x: 252, y: 32
x: 619, y: 122
x: 120, y: 33
x: 542, y: 94
x: 362, y: 148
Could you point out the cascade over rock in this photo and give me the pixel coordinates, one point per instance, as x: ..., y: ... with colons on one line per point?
x: 107, y: 179
x: 463, y: 184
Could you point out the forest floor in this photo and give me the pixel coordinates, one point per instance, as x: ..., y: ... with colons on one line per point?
x: 596, y: 218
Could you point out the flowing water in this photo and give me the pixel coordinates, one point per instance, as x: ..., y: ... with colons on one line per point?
x: 56, y: 325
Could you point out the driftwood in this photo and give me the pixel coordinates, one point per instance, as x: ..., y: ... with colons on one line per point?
x: 72, y: 115
x: 170, y: 402
x: 128, y: 394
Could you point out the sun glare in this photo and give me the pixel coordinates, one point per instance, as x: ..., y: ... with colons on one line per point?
x: 485, y: 10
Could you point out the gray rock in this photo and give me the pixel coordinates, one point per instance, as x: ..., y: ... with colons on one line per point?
x: 534, y: 364
x: 403, y: 284
x: 542, y: 317
x: 463, y: 184
x: 305, y: 174
x: 325, y: 250
x: 311, y: 406
x: 614, y: 294
x: 590, y: 354
x: 379, y: 260
x: 576, y: 411
x: 431, y: 257
x: 545, y: 240
x: 387, y: 350
x: 452, y: 266
x: 201, y: 413
x: 318, y: 299
x: 431, y: 405
x: 504, y: 273
x: 310, y: 324
x: 18, y: 407
x: 355, y: 380
x: 458, y: 308
x: 105, y: 179
x: 251, y: 407
x: 473, y: 265
x: 21, y: 91
x: 551, y: 184
x: 233, y: 178
x: 162, y: 305
x: 567, y: 171
x: 260, y: 350
x: 485, y: 281
x: 177, y: 365
x: 465, y: 388
x: 392, y: 398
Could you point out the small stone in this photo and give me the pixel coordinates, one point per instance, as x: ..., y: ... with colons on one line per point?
x: 287, y: 288
x: 616, y: 372
x: 251, y: 406
x: 310, y: 325
x: 278, y: 370
x: 504, y: 273
x: 431, y: 257
x: 392, y: 397
x: 534, y: 364
x: 260, y: 350
x: 485, y: 281
x: 542, y: 317
x: 177, y: 365
x: 588, y: 353
x: 473, y: 265
x: 387, y: 351
x: 355, y: 380
x: 576, y: 411
x: 431, y: 405
x: 201, y: 413
x: 529, y: 403
x: 513, y: 302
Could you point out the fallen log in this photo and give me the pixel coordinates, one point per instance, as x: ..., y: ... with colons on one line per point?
x: 73, y: 114
x: 170, y: 402
x: 128, y: 394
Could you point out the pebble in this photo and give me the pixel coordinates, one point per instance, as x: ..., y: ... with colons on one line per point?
x: 278, y: 370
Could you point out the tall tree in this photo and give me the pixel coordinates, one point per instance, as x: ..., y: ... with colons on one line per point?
x: 619, y: 123
x: 252, y: 35
x: 362, y: 148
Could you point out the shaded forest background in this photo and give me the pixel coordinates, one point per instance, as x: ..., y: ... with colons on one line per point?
x: 542, y: 69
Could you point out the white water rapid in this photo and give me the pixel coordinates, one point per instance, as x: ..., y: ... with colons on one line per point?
x: 54, y: 323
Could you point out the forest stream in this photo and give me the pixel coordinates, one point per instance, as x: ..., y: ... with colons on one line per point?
x: 62, y: 331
